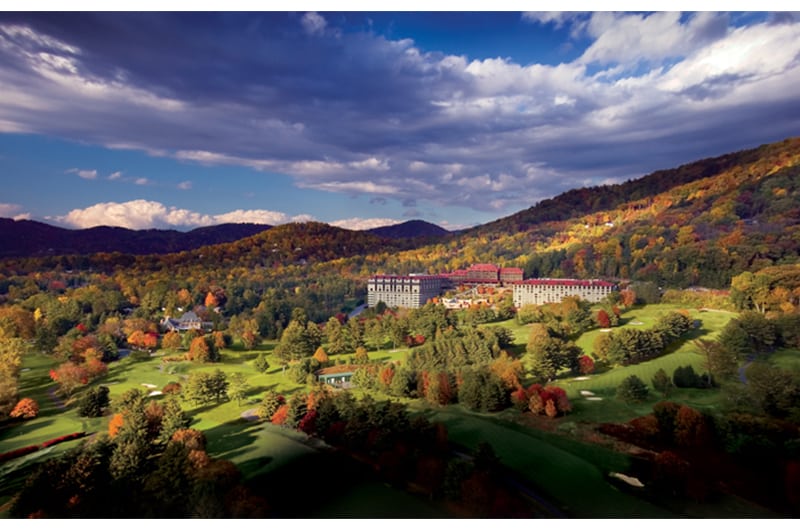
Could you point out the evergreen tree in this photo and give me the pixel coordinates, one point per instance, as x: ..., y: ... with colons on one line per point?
x: 632, y: 390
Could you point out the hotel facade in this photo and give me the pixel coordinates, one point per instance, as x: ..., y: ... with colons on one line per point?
x: 548, y: 291
x: 403, y: 291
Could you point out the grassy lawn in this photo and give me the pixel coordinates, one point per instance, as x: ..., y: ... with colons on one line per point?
x: 575, y: 484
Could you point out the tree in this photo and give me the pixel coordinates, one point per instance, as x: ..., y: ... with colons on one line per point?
x: 335, y: 336
x: 203, y: 350
x: 26, y: 409
x: 70, y: 377
x: 662, y: 382
x: 171, y: 341
x: 321, y: 356
x: 361, y: 356
x: 173, y: 420
x: 632, y: 390
x: 719, y: 361
x: 603, y: 319
x: 94, y: 402
x: 269, y: 405
x: 261, y: 364
x: 203, y: 387
x: 238, y: 387
x: 374, y: 333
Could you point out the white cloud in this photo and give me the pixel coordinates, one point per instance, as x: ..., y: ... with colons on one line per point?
x: 357, y: 223
x: 185, y: 185
x: 141, y: 181
x: 141, y: 214
x: 313, y: 23
x: 88, y: 174
x: 365, y: 114
x: 14, y: 211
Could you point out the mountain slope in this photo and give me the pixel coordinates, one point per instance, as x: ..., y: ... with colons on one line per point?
x: 32, y: 238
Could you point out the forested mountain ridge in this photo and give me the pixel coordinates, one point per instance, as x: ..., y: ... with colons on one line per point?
x: 33, y: 238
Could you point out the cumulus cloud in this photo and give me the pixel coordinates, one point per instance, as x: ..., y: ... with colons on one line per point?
x: 88, y: 174
x: 185, y: 185
x: 141, y: 214
x: 115, y: 175
x: 14, y: 211
x: 357, y: 223
x: 365, y: 114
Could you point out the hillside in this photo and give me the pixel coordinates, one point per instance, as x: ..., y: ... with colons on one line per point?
x: 33, y: 238
x: 699, y: 224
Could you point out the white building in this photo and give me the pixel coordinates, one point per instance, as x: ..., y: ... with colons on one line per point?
x: 549, y: 291
x: 403, y: 291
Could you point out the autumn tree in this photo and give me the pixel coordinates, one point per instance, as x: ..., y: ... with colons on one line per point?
x: 203, y: 350
x: 171, y: 341
x: 25, y: 409
x: 320, y: 355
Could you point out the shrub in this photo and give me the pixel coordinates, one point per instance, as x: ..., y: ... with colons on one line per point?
x: 632, y: 390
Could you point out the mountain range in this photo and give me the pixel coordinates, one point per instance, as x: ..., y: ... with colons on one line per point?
x: 697, y: 224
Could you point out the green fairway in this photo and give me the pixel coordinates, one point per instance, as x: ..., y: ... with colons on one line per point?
x: 576, y: 485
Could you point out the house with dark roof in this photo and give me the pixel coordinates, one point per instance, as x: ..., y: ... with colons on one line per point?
x: 189, y: 320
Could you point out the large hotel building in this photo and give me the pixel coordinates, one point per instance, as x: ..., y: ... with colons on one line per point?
x: 403, y: 291
x: 415, y: 290
x: 548, y: 291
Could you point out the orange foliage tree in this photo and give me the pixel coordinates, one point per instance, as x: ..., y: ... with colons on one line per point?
x: 26, y: 409
x: 115, y: 424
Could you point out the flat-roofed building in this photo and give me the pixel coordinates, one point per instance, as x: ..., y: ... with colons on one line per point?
x: 403, y: 291
x: 547, y: 291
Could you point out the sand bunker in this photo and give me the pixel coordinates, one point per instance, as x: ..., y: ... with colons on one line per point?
x: 587, y: 393
x: 582, y: 378
x: 148, y: 385
x: 633, y: 481
x: 155, y: 393
x: 594, y: 398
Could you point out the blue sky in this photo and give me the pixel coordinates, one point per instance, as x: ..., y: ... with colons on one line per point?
x: 363, y: 119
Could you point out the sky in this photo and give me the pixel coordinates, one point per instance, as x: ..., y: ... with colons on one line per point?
x: 362, y: 119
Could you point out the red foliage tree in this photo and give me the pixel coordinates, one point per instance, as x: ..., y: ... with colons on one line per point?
x: 519, y: 398
x: 603, y: 320
x: 26, y: 409
x: 308, y: 423
x: 386, y: 375
x: 586, y: 364
x: 70, y: 376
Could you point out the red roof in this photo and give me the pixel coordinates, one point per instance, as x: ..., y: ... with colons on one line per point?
x: 483, y: 267
x: 511, y: 270
x: 397, y: 277
x: 338, y: 369
x: 566, y: 282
